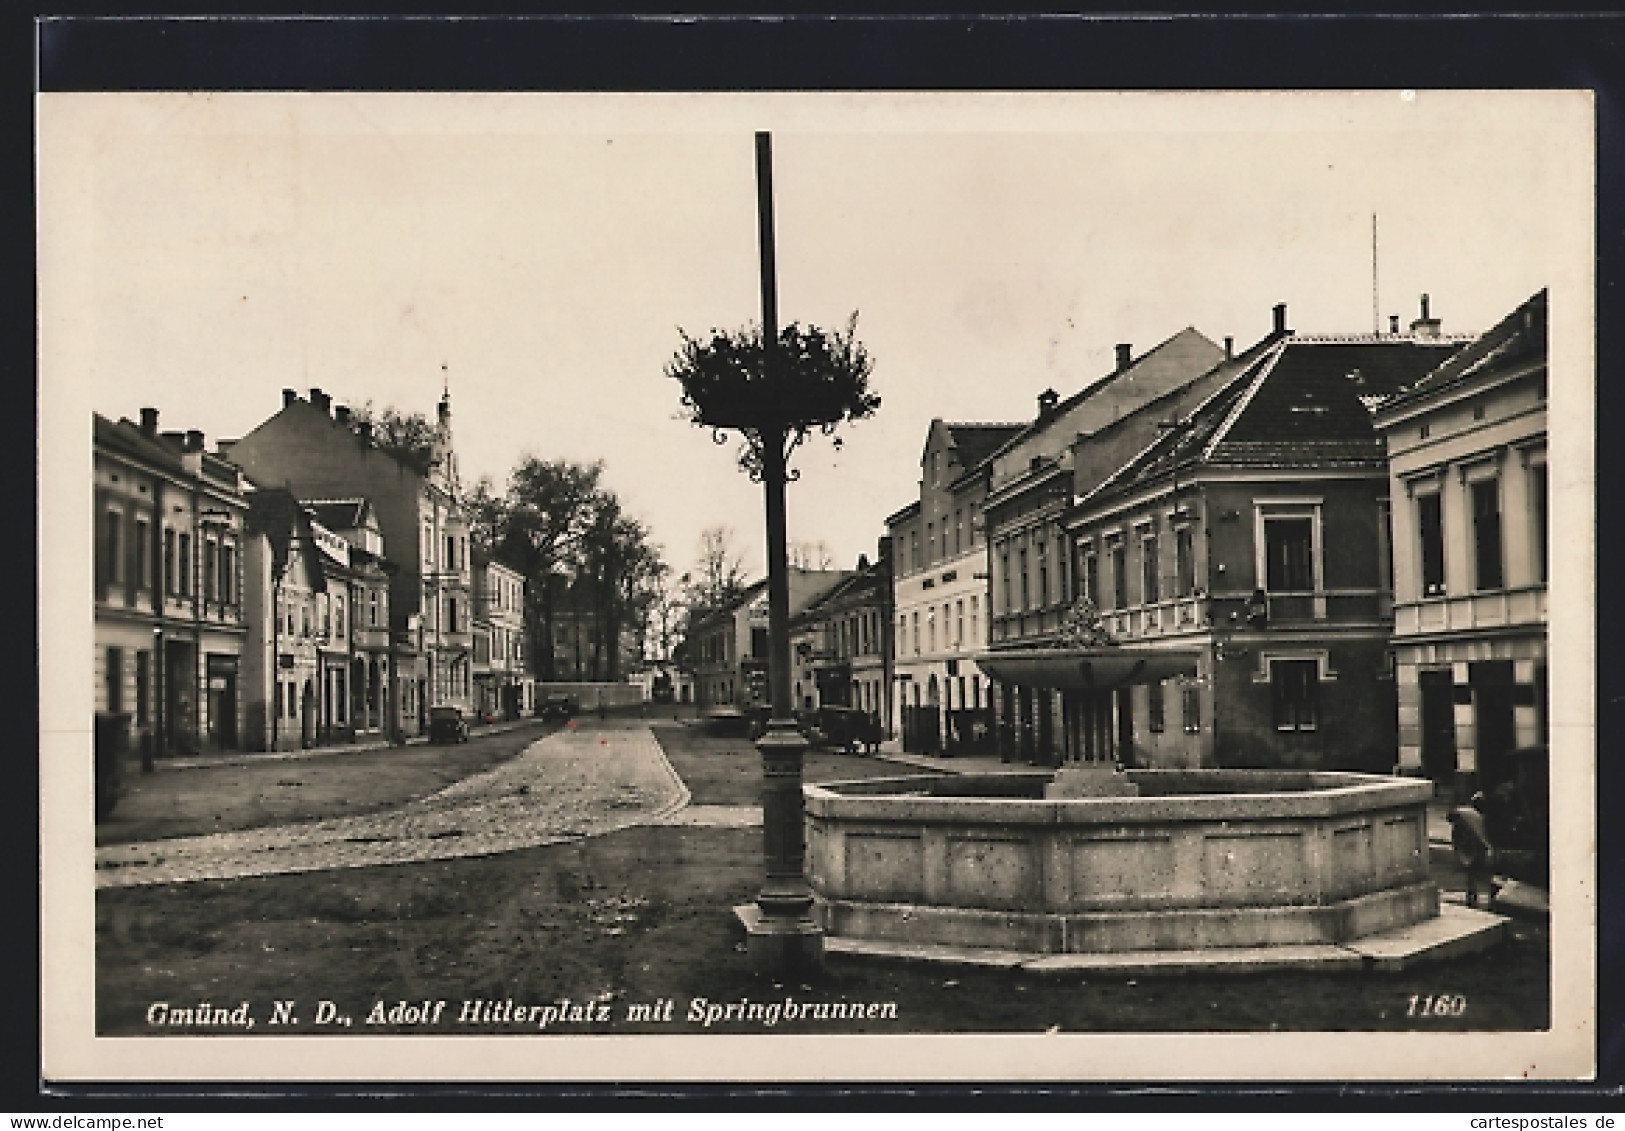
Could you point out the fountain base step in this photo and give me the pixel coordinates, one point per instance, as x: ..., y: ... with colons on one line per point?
x: 1455, y: 931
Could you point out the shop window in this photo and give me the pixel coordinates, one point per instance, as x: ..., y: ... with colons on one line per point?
x: 1295, y: 694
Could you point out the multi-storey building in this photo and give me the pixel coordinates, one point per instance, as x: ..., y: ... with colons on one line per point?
x: 1232, y: 605
x: 317, y: 663
x: 169, y: 625
x: 1469, y: 490
x: 840, y: 644
x: 728, y: 646
x: 939, y: 593
x: 502, y: 687
x: 315, y: 451
x: 1065, y: 452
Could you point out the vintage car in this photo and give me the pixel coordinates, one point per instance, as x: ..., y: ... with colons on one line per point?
x: 558, y: 706
x: 446, y: 724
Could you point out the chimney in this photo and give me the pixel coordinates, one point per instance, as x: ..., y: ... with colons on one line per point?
x: 1393, y: 323
x: 1125, y: 352
x: 1229, y: 347
x: 223, y: 447
x: 149, y: 422
x: 1047, y: 400
x: 1280, y: 318
x: 1425, y: 326
x: 342, y: 414
x: 194, y: 440
x: 320, y: 399
x: 364, y: 430
x: 288, y: 397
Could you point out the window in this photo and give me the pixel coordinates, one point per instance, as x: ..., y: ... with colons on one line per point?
x: 1190, y: 708
x: 1487, y: 562
x: 1119, y: 576
x: 1289, y: 563
x: 1537, y: 502
x: 975, y: 630
x: 902, y: 634
x: 930, y: 542
x: 1004, y: 577
x: 143, y: 554
x: 1089, y: 576
x: 184, y: 565
x: 1043, y: 575
x: 1155, y: 707
x: 1295, y: 694
x: 915, y: 621
x: 914, y: 548
x: 211, y: 569
x: 338, y: 617
x: 1385, y: 541
x: 931, y: 629
x: 112, y: 546
x: 143, y: 687
x: 1184, y: 562
x: 451, y: 553
x: 1430, y: 528
x: 324, y: 614
x: 170, y: 579
x: 1026, y: 598
x: 959, y: 624
x: 1150, y: 589
x: 959, y: 530
x: 115, y: 680
x: 228, y: 575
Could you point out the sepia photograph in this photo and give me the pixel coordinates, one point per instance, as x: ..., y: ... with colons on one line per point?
x: 816, y: 586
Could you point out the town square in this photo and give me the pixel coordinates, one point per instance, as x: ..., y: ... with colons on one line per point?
x: 1166, y: 504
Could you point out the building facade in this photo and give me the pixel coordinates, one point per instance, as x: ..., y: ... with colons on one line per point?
x: 840, y: 644
x: 1067, y: 450
x: 169, y: 587
x: 502, y: 686
x: 939, y: 592
x: 1232, y: 601
x: 728, y: 646
x: 1470, y: 497
x: 317, y: 452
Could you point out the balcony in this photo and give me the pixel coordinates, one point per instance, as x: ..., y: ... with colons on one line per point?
x: 1500, y: 608
x: 1181, y: 614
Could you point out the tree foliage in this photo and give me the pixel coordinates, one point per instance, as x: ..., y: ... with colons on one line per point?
x: 719, y: 574
x: 408, y: 436
x: 581, y: 554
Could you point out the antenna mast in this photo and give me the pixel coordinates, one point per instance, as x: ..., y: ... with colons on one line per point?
x: 1376, y: 323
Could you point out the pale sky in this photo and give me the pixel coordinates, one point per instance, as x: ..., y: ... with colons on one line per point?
x: 199, y: 252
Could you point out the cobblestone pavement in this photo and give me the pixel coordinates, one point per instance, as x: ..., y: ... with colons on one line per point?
x: 576, y: 783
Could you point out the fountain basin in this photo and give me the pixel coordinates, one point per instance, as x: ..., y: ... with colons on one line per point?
x: 1200, y: 859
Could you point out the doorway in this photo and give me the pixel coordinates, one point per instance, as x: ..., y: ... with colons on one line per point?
x: 1438, y: 729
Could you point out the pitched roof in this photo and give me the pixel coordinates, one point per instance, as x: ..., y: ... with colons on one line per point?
x: 126, y: 436
x: 1297, y: 403
x: 974, y: 443
x: 1144, y: 379
x: 1519, y: 336
x: 340, y: 514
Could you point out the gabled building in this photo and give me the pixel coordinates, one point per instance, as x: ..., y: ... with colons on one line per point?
x: 1067, y: 450
x: 1471, y: 533
x: 316, y: 451
x: 939, y: 591
x: 169, y: 623
x: 1233, y: 602
x: 840, y: 643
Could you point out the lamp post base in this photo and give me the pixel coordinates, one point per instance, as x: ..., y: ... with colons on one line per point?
x: 782, y: 948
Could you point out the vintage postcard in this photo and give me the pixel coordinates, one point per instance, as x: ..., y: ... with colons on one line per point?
x: 1171, y: 659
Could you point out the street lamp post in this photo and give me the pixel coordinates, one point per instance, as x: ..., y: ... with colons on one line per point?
x: 775, y: 389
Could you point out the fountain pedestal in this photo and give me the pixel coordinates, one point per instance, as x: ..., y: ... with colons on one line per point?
x: 1090, y: 779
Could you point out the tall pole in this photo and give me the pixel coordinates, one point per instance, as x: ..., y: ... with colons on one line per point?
x: 1376, y: 319
x: 781, y: 937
